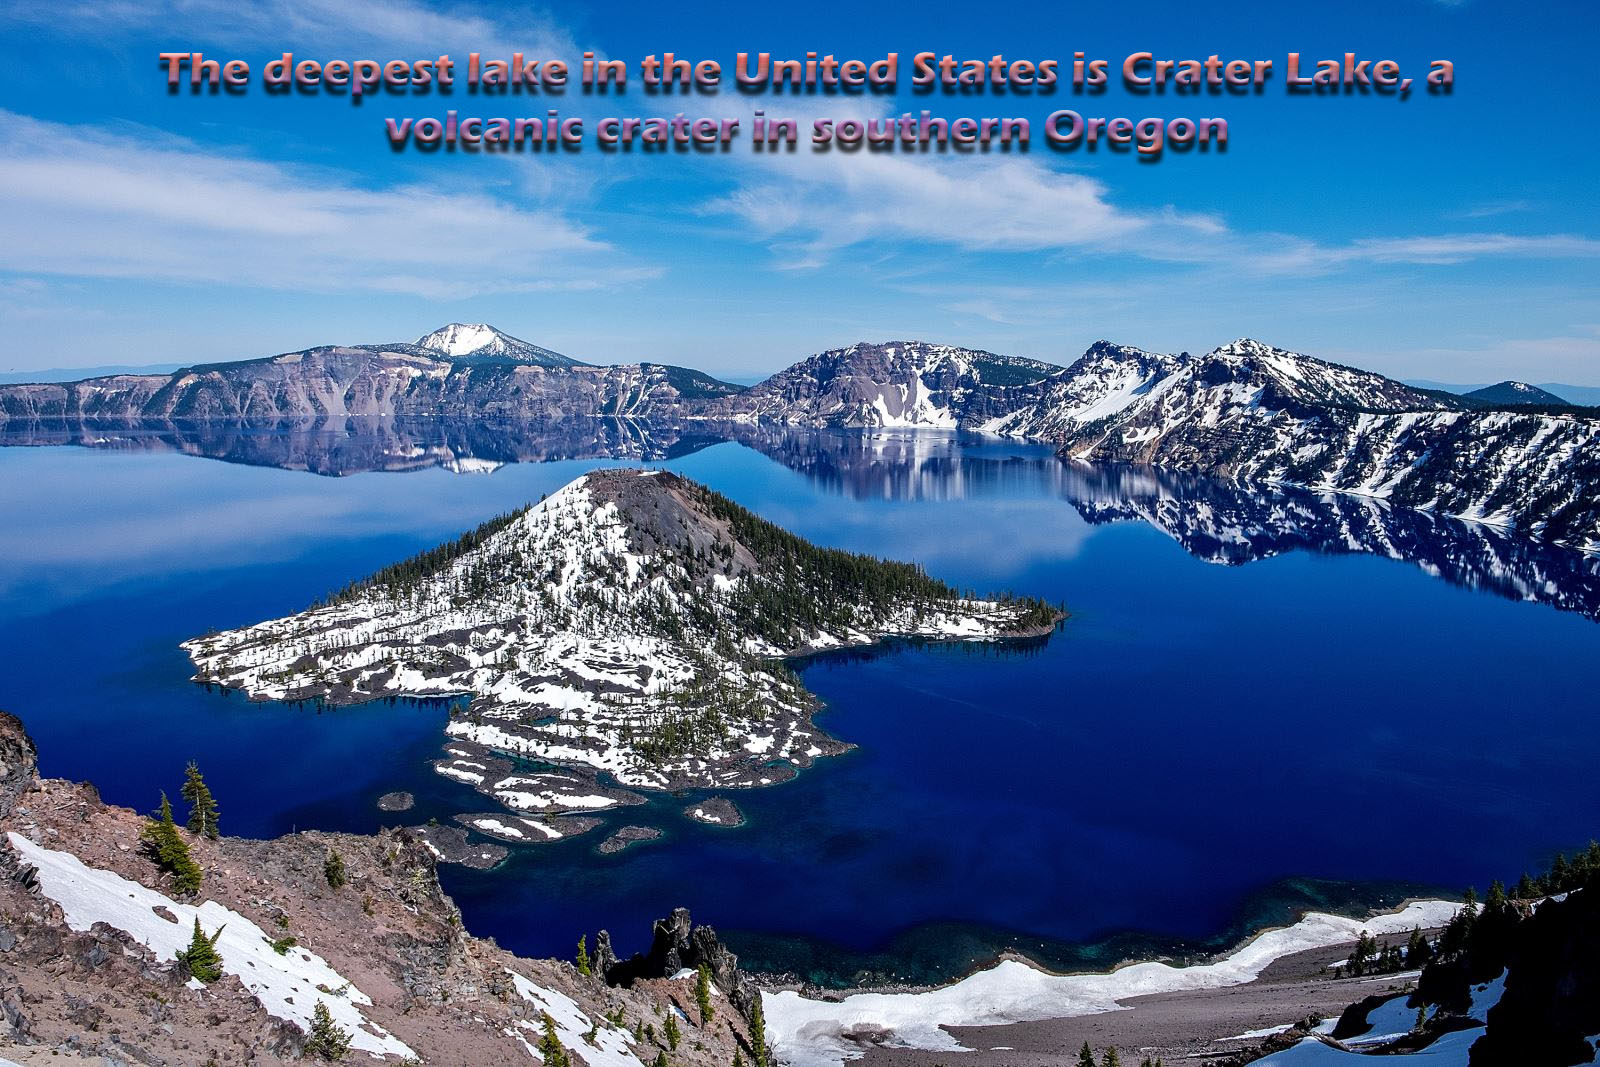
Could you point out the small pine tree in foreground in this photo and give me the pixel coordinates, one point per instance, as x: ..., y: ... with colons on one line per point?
x: 326, y: 1040
x: 758, y: 1034
x: 1086, y: 1056
x: 170, y: 851
x: 550, y: 1047
x: 673, y: 1033
x: 1111, y: 1059
x: 202, y: 805
x: 201, y: 958
x: 702, y: 994
x: 333, y: 870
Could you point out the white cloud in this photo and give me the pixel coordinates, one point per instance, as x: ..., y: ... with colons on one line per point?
x: 85, y: 202
x: 302, y: 24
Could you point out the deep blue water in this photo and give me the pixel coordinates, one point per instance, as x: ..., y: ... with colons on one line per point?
x: 1194, y: 735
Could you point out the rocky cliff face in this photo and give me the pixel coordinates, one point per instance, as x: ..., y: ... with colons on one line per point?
x: 457, y: 369
x: 1249, y: 412
x: 894, y: 384
x: 87, y: 971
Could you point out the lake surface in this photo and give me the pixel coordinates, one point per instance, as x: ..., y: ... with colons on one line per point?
x: 1261, y: 699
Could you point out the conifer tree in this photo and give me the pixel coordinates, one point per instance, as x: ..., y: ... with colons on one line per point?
x: 1557, y: 882
x: 673, y: 1033
x: 1111, y: 1059
x: 758, y: 1034
x: 201, y: 958
x: 1497, y: 898
x: 333, y: 870
x: 702, y: 993
x: 661, y: 1060
x: 326, y: 1040
x: 1418, y: 951
x: 738, y: 1060
x: 584, y: 967
x: 550, y: 1047
x: 168, y: 848
x: 202, y: 805
x: 1086, y: 1056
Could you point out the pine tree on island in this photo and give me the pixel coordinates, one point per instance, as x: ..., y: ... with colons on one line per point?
x: 202, y: 805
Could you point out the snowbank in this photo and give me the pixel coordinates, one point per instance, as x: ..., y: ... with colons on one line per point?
x: 287, y: 986
x: 814, y: 1033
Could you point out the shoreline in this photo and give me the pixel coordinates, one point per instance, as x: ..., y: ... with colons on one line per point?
x: 1014, y: 992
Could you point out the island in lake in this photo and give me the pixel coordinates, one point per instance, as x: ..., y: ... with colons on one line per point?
x: 633, y: 623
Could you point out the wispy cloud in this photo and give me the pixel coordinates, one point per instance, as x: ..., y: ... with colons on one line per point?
x: 85, y: 202
x: 377, y: 24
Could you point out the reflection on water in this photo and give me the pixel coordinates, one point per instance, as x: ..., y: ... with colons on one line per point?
x: 1218, y: 522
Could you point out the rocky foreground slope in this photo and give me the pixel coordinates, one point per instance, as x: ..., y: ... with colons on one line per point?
x: 633, y: 623
x: 90, y: 924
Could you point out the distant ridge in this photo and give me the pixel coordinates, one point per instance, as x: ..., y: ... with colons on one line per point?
x: 1515, y: 393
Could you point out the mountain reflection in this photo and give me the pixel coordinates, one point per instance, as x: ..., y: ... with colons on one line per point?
x: 1214, y: 521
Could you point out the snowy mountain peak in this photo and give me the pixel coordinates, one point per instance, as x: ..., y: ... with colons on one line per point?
x: 480, y: 341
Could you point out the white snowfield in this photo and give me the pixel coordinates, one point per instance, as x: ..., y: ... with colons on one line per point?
x: 610, y: 1047
x: 1394, y: 1020
x: 815, y: 1033
x: 288, y: 986
x: 574, y: 647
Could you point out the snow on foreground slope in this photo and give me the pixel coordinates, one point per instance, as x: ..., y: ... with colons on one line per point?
x: 632, y: 622
x: 288, y: 986
x: 814, y: 1033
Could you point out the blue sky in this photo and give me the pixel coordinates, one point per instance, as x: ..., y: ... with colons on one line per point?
x: 1450, y: 238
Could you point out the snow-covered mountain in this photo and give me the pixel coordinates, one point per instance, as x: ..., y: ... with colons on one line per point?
x: 494, y: 374
x: 1104, y: 380
x: 477, y: 341
x: 1251, y: 412
x: 1244, y: 411
x: 894, y: 384
x: 633, y: 622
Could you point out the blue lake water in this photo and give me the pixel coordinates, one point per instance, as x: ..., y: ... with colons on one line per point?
x: 1244, y: 712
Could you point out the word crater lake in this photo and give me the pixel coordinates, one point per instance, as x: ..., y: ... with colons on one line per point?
x: 1263, y: 698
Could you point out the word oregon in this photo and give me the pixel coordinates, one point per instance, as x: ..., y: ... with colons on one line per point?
x: 1065, y: 129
